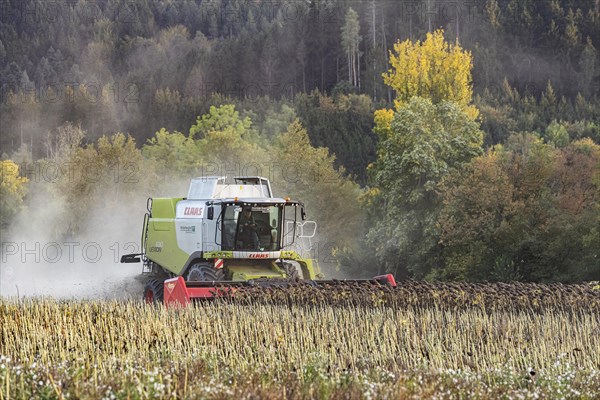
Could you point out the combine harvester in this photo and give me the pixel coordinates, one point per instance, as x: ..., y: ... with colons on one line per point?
x: 224, y: 237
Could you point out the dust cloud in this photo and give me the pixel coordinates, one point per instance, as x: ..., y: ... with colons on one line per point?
x: 38, y: 259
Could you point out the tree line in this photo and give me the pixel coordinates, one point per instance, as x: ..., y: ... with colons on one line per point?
x: 464, y: 153
x: 135, y: 67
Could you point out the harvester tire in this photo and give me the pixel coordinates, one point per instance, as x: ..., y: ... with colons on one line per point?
x: 153, y: 292
x: 204, y: 272
x: 291, y: 271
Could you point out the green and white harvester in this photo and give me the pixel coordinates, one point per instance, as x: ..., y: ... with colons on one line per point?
x: 225, y: 236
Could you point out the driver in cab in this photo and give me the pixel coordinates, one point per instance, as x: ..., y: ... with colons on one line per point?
x: 248, y: 228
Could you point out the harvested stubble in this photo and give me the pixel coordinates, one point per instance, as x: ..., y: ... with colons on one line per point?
x: 326, y: 347
x: 457, y: 296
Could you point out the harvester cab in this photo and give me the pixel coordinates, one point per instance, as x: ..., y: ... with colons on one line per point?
x: 223, y: 234
x: 249, y: 219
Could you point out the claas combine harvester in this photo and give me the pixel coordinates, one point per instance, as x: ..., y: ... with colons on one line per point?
x: 223, y: 237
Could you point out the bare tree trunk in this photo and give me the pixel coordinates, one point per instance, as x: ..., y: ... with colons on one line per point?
x: 349, y: 66
x: 383, y: 36
x: 429, y: 14
x: 374, y: 79
x: 457, y: 28
x: 358, y: 63
x: 353, y: 81
x: 351, y: 71
x: 304, y: 77
x: 322, y: 73
x: 356, y: 57
x: 386, y: 52
x: 374, y: 54
x: 373, y: 26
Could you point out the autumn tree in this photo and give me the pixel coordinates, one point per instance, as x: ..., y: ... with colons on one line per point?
x: 432, y: 69
x: 86, y: 180
x: 308, y: 173
x: 12, y: 190
x: 112, y: 164
x: 429, y: 135
x: 524, y: 211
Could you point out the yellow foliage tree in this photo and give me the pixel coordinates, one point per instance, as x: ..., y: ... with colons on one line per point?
x: 383, y: 122
x: 12, y: 191
x: 433, y: 69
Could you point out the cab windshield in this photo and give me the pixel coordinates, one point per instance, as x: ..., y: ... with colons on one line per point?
x: 251, y: 228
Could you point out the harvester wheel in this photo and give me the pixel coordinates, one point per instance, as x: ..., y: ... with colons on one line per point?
x: 291, y: 271
x: 153, y: 292
x: 204, y: 272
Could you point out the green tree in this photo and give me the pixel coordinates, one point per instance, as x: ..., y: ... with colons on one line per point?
x: 548, y: 103
x: 277, y: 121
x: 343, y: 124
x: 218, y: 119
x: 556, y: 134
x: 219, y: 141
x: 173, y: 152
x: 229, y: 150
x: 493, y: 12
x: 425, y: 143
x: 572, y: 35
x: 588, y: 63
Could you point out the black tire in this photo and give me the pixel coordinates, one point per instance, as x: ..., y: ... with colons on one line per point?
x: 291, y: 271
x: 204, y: 272
x: 153, y: 292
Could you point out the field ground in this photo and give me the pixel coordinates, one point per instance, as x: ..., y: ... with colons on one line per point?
x: 419, y: 341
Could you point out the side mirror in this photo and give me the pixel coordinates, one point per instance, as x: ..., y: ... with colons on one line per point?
x: 303, y: 214
x: 211, y: 212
